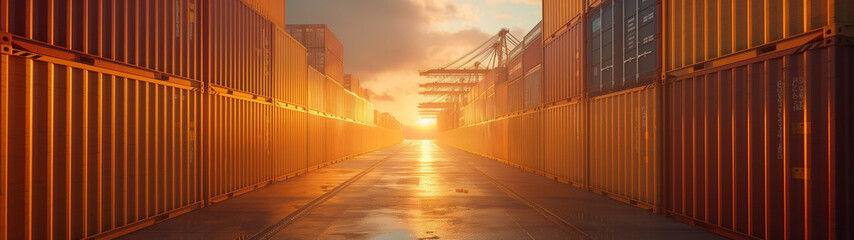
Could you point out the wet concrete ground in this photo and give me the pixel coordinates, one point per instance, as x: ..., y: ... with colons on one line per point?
x: 419, y: 190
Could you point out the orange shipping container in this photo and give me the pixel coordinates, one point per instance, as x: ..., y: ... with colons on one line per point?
x: 625, y: 146
x: 238, y: 50
x: 764, y: 144
x: 106, y: 150
x: 563, y: 66
x: 564, y: 142
x: 290, y: 80
x: 560, y: 13
x: 699, y: 33
x: 159, y: 35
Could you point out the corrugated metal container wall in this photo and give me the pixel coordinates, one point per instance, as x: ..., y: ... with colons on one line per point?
x: 560, y: 13
x: 316, y: 139
x: 533, y: 89
x: 238, y: 48
x: 623, y: 40
x: 101, y: 151
x: 514, y: 66
x: 564, y: 142
x: 273, y: 10
x: 762, y: 144
x: 334, y: 140
x: 531, y: 141
x: 316, y: 36
x: 501, y: 102
x: 316, y: 90
x: 533, y: 55
x: 697, y: 32
x: 290, y: 142
x: 625, y: 154
x: 514, y: 141
x: 516, y: 95
x: 564, y: 65
x: 239, y: 150
x: 290, y: 81
x: 334, y: 97
x: 157, y: 35
x: 320, y: 59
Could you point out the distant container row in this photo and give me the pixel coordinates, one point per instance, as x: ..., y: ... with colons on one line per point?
x: 728, y: 115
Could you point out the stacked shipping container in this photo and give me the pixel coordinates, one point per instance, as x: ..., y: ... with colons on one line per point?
x: 325, y: 52
x: 115, y: 116
x: 741, y: 137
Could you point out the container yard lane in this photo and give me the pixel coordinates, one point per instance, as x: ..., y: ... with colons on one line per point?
x: 420, y: 190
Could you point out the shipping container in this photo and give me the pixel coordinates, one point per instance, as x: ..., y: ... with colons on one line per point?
x: 316, y: 36
x: 623, y: 45
x: 757, y: 148
x: 89, y: 151
x: 290, y: 142
x: 162, y: 36
x: 501, y: 100
x: 516, y: 95
x: 625, y: 146
x: 533, y: 55
x: 238, y: 146
x: 564, y: 143
x: 563, y: 66
x: 533, y: 91
x: 238, y: 44
x: 558, y: 14
x: 290, y: 80
x: 273, y: 10
x: 316, y: 90
x: 514, y: 65
x: 327, y: 63
x: 352, y: 83
x: 714, y: 33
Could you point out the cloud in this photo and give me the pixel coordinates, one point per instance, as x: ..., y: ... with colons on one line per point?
x: 380, y: 97
x: 386, y: 42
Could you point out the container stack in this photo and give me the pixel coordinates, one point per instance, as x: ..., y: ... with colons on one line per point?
x: 728, y: 115
x: 325, y: 51
x: 121, y: 114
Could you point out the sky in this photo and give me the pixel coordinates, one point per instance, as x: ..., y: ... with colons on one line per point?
x: 387, y: 42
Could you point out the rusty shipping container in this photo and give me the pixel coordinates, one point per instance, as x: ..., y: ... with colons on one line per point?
x: 625, y: 146
x: 623, y: 45
x: 90, y: 151
x: 559, y: 14
x: 563, y: 65
x: 237, y: 47
x: 757, y: 148
x: 501, y: 101
x: 162, y: 36
x: 714, y: 33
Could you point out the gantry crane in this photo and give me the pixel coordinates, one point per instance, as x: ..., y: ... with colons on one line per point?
x: 457, y: 78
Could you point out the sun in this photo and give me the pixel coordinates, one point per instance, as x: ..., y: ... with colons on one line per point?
x: 426, y: 122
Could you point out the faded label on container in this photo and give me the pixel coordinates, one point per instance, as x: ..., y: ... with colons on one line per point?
x: 596, y: 25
